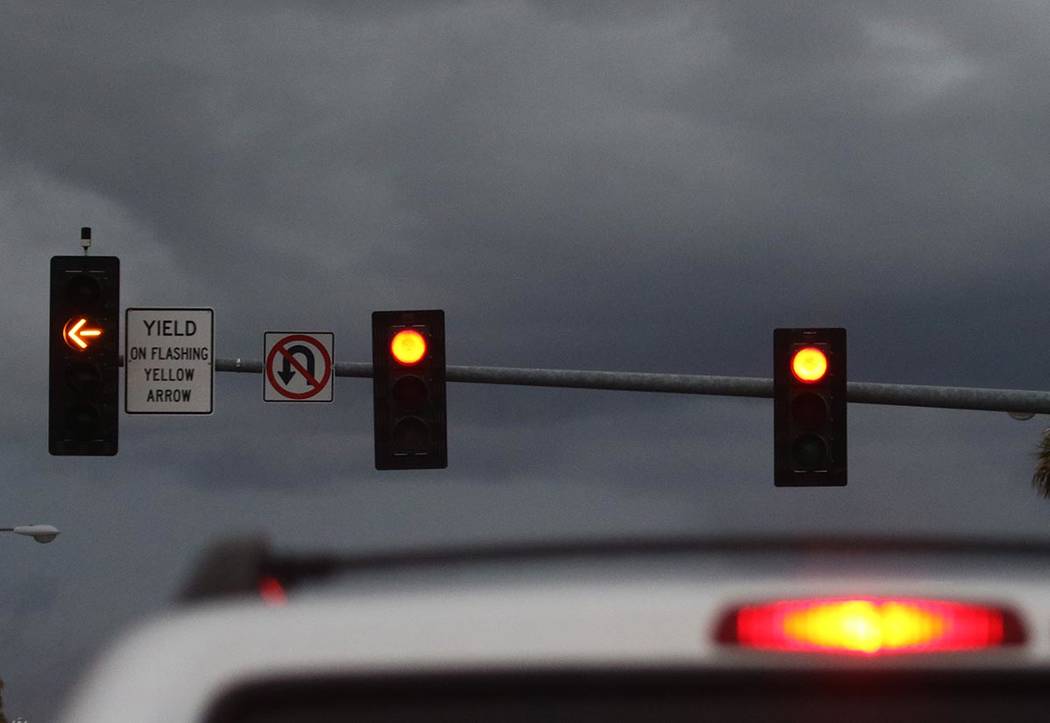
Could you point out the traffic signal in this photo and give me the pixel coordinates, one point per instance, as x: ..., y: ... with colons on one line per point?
x: 408, y: 363
x: 809, y: 407
x: 84, y: 343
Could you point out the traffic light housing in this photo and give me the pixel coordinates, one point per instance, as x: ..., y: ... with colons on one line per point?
x: 85, y: 335
x: 408, y: 363
x: 809, y: 407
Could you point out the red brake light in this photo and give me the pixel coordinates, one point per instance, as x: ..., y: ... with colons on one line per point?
x: 869, y: 626
x: 272, y: 591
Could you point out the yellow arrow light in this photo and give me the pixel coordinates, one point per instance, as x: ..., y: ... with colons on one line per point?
x: 76, y: 336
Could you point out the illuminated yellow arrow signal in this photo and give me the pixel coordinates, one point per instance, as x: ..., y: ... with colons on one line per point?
x: 76, y: 336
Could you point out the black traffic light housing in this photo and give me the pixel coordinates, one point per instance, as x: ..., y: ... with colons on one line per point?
x: 409, y: 395
x: 809, y: 407
x: 85, y: 337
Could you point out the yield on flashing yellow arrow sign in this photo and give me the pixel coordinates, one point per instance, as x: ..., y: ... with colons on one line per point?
x: 76, y: 336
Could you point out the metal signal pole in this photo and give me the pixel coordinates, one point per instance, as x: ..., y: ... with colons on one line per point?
x: 1018, y: 402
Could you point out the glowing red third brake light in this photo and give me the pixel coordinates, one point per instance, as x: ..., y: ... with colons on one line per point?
x: 869, y: 626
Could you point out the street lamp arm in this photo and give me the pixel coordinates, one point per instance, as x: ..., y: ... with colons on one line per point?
x: 40, y: 533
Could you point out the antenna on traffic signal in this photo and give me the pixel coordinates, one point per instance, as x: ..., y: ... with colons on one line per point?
x: 84, y: 332
x: 408, y: 373
x: 809, y: 407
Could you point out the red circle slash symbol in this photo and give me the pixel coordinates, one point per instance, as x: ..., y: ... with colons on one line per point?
x: 288, y: 356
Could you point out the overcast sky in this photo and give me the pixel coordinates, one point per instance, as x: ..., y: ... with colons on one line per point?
x: 628, y: 186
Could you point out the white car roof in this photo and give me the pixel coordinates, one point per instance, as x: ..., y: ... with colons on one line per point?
x: 627, y: 613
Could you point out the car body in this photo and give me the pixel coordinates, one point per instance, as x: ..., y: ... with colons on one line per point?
x: 626, y: 630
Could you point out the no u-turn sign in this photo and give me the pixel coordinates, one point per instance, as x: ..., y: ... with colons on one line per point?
x: 298, y: 366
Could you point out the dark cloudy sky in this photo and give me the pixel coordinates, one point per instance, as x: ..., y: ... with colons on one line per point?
x: 629, y: 186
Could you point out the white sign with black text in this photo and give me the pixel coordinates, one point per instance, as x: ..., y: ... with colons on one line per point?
x: 168, y: 361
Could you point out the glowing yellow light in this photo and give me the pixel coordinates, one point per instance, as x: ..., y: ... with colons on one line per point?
x: 863, y: 626
x: 75, y: 334
x: 408, y: 347
x: 809, y: 364
x: 872, y: 626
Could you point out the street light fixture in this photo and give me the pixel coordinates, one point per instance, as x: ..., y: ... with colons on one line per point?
x: 40, y: 533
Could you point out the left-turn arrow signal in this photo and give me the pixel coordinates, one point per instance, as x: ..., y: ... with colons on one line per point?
x: 76, y: 336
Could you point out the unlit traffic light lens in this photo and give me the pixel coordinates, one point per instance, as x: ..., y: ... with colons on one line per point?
x: 82, y: 290
x: 411, y: 436
x: 809, y: 364
x: 84, y: 378
x: 810, y: 453
x: 810, y: 411
x: 83, y: 421
x: 408, y: 347
x: 410, y: 393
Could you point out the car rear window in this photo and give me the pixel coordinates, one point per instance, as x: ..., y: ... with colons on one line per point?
x: 623, y: 697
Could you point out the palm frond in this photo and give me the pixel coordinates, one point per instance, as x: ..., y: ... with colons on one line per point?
x: 1041, y: 478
